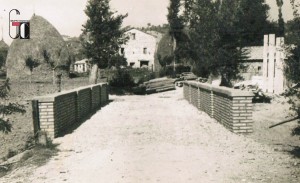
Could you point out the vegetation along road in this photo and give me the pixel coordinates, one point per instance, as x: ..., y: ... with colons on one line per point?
x: 157, y: 138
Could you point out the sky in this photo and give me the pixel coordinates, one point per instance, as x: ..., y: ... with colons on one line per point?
x: 67, y: 16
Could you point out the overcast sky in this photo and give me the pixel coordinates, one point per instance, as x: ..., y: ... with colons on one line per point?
x: 68, y: 16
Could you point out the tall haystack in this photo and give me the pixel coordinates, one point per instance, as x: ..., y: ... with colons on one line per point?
x: 3, y: 53
x: 45, y: 45
x: 3, y: 45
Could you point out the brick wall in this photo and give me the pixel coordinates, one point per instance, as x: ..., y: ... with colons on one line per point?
x: 57, y: 112
x: 96, y: 98
x: 232, y: 108
x: 104, y: 94
x: 84, y: 101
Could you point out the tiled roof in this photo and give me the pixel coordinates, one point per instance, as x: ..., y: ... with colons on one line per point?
x: 81, y: 61
x: 254, y: 52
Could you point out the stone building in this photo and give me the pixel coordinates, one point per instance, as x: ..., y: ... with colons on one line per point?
x: 140, y: 49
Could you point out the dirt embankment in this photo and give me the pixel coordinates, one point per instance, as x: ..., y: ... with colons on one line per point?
x: 22, y: 92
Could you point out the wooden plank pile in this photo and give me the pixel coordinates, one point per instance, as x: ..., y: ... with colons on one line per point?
x: 159, y: 85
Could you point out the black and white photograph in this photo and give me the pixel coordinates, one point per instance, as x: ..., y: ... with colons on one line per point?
x: 149, y: 91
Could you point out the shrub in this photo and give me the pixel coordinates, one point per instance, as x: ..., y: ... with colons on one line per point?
x: 7, y: 109
x: 169, y: 70
x: 11, y: 153
x: 122, y: 78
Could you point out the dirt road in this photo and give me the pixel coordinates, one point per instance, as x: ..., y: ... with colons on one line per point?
x: 158, y: 138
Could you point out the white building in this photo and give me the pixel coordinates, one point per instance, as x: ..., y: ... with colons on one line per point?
x: 140, y: 49
x: 81, y: 66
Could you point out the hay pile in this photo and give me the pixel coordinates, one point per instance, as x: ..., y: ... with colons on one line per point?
x: 3, y: 54
x: 3, y: 45
x: 45, y: 44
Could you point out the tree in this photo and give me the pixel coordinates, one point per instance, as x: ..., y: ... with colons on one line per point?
x: 117, y: 61
x: 203, y: 30
x: 7, y: 109
x: 292, y: 64
x: 103, y: 35
x: 3, y: 54
x: 252, y: 21
x: 176, y: 25
x: 56, y: 65
x: 215, y: 48
x: 280, y: 18
x: 187, y: 12
x: 31, y: 64
x: 229, y: 54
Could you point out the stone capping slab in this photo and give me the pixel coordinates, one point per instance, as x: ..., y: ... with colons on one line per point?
x: 221, y: 89
x: 53, y: 96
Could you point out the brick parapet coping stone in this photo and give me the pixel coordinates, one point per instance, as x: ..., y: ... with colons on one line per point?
x: 230, y: 107
x: 56, y: 113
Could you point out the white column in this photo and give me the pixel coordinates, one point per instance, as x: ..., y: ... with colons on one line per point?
x: 271, y: 63
x: 279, y: 78
x: 265, y: 66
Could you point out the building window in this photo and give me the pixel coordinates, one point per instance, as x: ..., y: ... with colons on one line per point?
x: 259, y: 68
x: 132, y: 64
x: 133, y: 36
x: 122, y: 51
x: 145, y: 50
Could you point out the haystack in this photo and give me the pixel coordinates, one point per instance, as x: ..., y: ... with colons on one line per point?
x: 45, y: 45
x: 3, y: 53
x: 3, y: 45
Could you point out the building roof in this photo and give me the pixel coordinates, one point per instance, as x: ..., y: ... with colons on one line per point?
x: 134, y: 29
x: 83, y: 61
x: 254, y: 52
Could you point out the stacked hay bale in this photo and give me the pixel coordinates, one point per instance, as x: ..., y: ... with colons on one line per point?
x: 45, y: 45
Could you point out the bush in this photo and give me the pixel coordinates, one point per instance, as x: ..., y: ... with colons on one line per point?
x: 169, y: 70
x: 131, y: 76
x: 122, y: 78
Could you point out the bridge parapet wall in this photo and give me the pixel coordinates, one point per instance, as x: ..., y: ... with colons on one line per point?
x: 232, y: 108
x: 57, y: 113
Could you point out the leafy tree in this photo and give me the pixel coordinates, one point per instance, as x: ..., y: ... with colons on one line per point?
x: 176, y: 25
x: 292, y: 64
x: 7, y: 109
x: 158, y: 28
x: 103, y: 35
x: 187, y: 13
x: 31, y: 64
x: 117, y: 61
x: 229, y: 52
x: 203, y: 30
x: 55, y: 65
x: 252, y: 21
x: 280, y: 18
x: 3, y: 54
